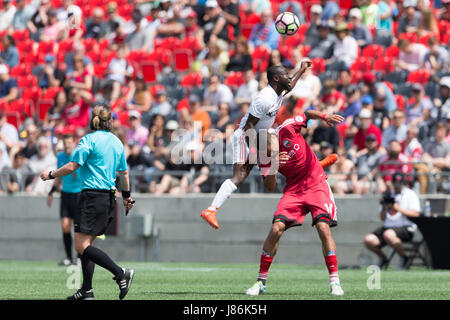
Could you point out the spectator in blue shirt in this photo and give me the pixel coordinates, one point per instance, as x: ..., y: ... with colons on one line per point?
x: 330, y: 9
x: 9, y: 55
x: 265, y: 33
x: 354, y: 103
x: 8, y: 86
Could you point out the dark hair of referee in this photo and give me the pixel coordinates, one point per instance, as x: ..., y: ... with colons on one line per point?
x: 98, y: 156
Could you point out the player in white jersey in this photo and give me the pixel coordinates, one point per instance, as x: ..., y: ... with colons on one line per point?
x: 261, y: 115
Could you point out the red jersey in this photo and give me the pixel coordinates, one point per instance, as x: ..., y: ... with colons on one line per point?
x: 303, y: 170
x: 388, y: 166
x: 360, y: 137
x: 77, y: 114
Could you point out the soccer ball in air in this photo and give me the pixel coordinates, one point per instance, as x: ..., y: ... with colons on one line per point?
x: 287, y: 23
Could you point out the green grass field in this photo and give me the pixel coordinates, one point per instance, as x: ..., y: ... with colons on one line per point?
x: 191, y: 281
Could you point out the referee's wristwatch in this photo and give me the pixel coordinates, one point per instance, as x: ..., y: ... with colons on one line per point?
x: 50, y: 176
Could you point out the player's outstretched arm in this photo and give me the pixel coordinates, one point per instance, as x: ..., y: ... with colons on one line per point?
x: 65, y: 170
x: 330, y: 119
x: 306, y: 64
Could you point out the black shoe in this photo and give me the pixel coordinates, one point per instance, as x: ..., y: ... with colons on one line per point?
x: 124, y: 282
x: 82, y: 295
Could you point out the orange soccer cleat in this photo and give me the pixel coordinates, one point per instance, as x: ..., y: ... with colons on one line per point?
x: 209, y: 215
x: 328, y: 161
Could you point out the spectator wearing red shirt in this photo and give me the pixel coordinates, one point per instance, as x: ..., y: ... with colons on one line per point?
x: 332, y: 96
x: 394, y: 161
x: 366, y: 128
x: 76, y: 112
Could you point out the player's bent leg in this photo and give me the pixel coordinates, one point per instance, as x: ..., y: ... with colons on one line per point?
x: 267, y: 255
x: 240, y: 173
x: 329, y: 252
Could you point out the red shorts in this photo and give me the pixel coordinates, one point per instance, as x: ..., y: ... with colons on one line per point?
x: 319, y: 200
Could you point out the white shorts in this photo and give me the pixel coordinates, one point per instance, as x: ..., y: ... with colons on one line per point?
x: 240, y: 147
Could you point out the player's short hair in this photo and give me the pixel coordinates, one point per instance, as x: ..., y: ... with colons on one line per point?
x: 101, y: 118
x: 274, y: 71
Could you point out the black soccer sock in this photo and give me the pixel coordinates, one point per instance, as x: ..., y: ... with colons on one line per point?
x: 67, y: 239
x: 103, y: 260
x: 88, y: 272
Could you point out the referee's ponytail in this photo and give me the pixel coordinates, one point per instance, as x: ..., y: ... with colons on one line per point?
x: 101, y: 118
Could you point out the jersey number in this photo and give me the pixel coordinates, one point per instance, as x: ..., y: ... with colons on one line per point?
x: 329, y: 207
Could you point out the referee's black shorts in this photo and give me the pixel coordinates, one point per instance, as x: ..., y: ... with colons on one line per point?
x: 97, y: 209
x: 70, y: 205
x: 402, y: 233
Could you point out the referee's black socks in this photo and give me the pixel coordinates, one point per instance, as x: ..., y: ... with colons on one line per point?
x: 103, y: 260
x: 67, y: 239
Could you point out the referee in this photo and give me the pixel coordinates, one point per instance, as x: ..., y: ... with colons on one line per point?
x: 99, y: 155
x: 70, y: 197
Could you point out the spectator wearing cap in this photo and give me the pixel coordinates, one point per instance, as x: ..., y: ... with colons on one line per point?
x: 199, y: 115
x: 385, y: 17
x: 191, y: 27
x: 49, y: 74
x: 372, y: 87
x: 392, y: 162
x: 6, y: 14
x: 312, y: 33
x: 241, y: 60
x: 139, y: 38
x: 323, y: 46
x: 330, y: 9
x: 264, y: 34
x: 9, y: 55
x: 138, y: 97
x: 354, y: 104
x: 8, y: 86
x: 419, y: 111
x: 360, y: 31
x: 410, y: 19
x: 366, y: 127
x: 442, y: 102
x: 137, y: 132
x: 23, y: 14
x: 411, y: 55
x: 380, y: 113
x: 396, y: 131
x: 346, y: 48
x: 436, y: 58
x: 161, y: 103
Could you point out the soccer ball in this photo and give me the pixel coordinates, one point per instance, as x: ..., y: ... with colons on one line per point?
x: 287, y: 23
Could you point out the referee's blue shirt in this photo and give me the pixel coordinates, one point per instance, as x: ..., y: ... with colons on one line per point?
x: 100, y: 155
x: 70, y: 183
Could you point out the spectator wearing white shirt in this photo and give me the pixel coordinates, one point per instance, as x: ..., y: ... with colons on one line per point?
x: 43, y: 160
x: 346, y: 48
x: 216, y: 94
x: 6, y: 14
x: 396, y: 206
x: 118, y: 71
x: 307, y: 89
x: 247, y: 91
x: 8, y: 133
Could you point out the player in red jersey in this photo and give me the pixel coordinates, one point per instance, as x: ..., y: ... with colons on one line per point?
x: 306, y: 191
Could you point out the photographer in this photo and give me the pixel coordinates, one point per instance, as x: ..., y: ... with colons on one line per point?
x: 398, y: 203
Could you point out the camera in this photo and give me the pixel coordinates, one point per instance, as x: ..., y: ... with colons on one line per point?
x: 387, y: 199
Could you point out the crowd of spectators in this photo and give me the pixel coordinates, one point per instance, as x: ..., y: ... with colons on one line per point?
x: 166, y: 65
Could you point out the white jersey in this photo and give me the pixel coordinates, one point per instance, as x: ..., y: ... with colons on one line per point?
x: 265, y: 107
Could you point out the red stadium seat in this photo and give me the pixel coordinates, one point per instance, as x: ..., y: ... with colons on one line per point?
x: 25, y: 46
x: 154, y: 89
x: 190, y: 43
x: 419, y: 76
x: 444, y: 28
x: 32, y: 94
x: 46, y: 47
x: 235, y: 79
x: 20, y: 35
x: 14, y: 118
x: 384, y: 65
x: 318, y: 65
x: 392, y: 51
x: 65, y: 45
x: 411, y: 36
x: 31, y: 58
x: 374, y: 51
x: 191, y: 80
x: 183, y: 59
x: 150, y: 71
x: 361, y: 64
x: 123, y: 118
x: 27, y: 81
x: 101, y: 68
x: 261, y: 53
x: 42, y: 107
x: 51, y: 93
x: 305, y: 50
x: 20, y: 70
x: 400, y: 101
x: 246, y: 30
x: 22, y: 106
